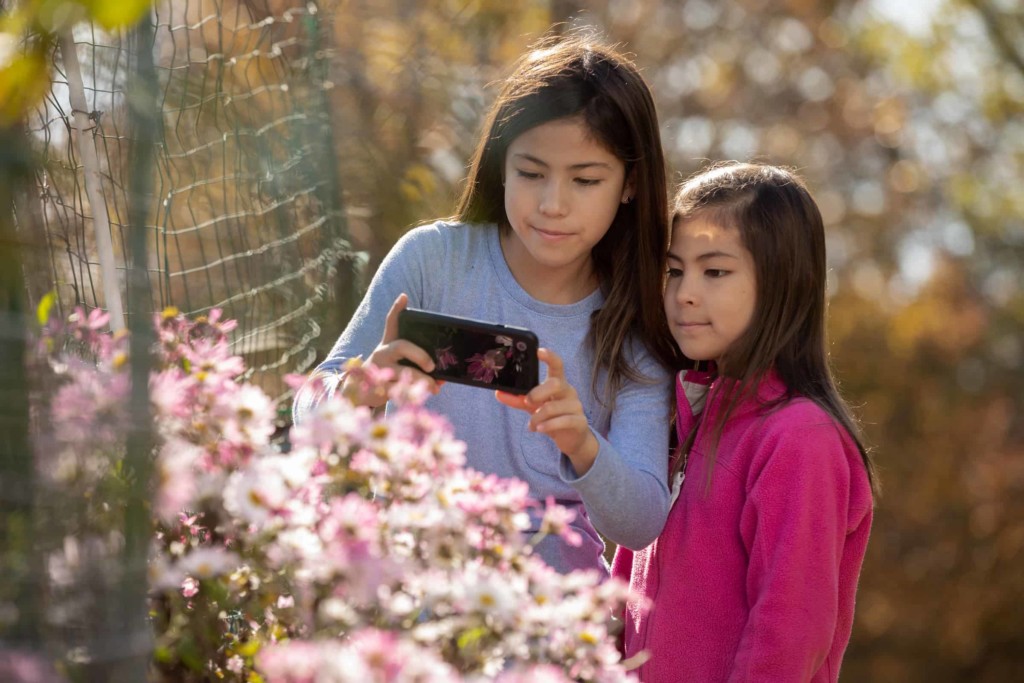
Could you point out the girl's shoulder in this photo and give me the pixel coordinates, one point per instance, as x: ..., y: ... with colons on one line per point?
x: 447, y: 235
x: 799, y: 430
x: 437, y: 241
x: 798, y: 415
x: 800, y: 441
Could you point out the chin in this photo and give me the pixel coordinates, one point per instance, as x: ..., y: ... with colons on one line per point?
x: 696, y: 356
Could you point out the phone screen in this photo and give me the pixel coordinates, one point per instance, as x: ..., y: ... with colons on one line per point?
x: 474, y: 352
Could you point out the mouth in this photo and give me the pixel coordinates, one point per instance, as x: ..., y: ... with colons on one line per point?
x: 551, y: 235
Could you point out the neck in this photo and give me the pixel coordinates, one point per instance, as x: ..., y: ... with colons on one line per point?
x: 565, y: 284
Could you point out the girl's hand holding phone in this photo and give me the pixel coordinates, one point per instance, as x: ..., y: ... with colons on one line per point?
x: 555, y: 410
x: 388, y: 353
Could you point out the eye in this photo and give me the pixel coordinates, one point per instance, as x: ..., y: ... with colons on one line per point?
x: 588, y: 182
x: 674, y: 272
x: 716, y: 272
x: 528, y: 175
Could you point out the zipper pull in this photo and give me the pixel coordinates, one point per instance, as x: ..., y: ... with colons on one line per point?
x: 677, y: 486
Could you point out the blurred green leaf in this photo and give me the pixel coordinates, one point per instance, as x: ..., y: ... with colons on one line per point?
x: 114, y: 14
x: 45, y: 308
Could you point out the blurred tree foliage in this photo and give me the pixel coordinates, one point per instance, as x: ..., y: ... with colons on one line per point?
x: 907, y: 121
x: 409, y: 98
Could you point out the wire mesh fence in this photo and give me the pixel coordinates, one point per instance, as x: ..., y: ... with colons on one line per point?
x: 246, y: 212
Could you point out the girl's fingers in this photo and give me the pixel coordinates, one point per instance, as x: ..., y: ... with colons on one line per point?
x: 519, y: 402
x: 401, y: 349
x: 554, y: 362
x: 551, y: 389
x: 391, y: 322
x: 390, y: 356
x: 553, y: 409
x: 561, y: 423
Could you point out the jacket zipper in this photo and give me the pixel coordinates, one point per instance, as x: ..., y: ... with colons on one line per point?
x: 657, y: 563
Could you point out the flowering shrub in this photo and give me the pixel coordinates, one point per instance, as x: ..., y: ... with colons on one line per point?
x: 362, y: 551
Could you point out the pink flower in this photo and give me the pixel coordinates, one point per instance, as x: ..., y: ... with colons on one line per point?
x: 235, y: 664
x: 212, y: 362
x: 408, y: 391
x: 246, y: 414
x: 558, y: 520
x: 171, y: 393
x: 86, y: 327
x: 486, y: 366
x: 175, y: 478
x: 210, y: 327
x: 189, y: 587
x: 27, y: 666
x: 91, y: 408
x: 445, y: 358
x: 295, y: 661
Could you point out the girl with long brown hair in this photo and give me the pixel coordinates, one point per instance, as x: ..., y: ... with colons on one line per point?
x: 755, y: 573
x: 562, y: 229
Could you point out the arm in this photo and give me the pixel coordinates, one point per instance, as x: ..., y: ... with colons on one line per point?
x: 625, y: 490
x: 622, y: 478
x: 794, y: 525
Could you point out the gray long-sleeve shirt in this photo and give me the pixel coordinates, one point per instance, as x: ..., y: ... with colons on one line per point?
x: 460, y: 270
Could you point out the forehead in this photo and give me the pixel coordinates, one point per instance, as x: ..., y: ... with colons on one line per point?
x: 567, y: 139
x: 699, y: 233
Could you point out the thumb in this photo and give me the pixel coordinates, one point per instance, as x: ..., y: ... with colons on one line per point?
x: 391, y: 323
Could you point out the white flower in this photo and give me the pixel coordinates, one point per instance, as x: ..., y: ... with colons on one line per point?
x: 206, y: 563
x: 255, y: 493
x: 342, y: 665
x: 297, y: 545
x: 489, y: 593
x: 247, y: 414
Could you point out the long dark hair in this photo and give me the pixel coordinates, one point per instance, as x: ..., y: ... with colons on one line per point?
x: 780, y: 225
x: 577, y: 76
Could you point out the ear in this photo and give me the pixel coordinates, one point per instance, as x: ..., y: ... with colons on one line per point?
x: 629, y: 188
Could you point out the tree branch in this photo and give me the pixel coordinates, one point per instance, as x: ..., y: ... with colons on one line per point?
x: 997, y: 29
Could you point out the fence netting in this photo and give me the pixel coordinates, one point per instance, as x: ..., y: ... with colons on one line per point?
x: 246, y: 213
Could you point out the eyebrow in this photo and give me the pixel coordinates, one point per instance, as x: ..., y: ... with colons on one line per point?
x: 575, y: 167
x: 706, y: 256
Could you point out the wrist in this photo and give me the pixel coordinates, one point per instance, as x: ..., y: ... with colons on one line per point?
x: 583, y: 458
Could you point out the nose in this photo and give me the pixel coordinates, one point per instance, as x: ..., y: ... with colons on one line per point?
x: 553, y: 201
x: 686, y: 294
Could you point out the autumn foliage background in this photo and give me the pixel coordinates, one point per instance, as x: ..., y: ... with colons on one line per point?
x: 906, y: 124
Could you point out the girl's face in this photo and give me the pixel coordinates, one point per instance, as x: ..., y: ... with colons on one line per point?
x: 562, y: 191
x: 711, y: 288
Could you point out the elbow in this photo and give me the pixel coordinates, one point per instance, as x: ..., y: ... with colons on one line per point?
x: 317, y: 387
x: 644, y: 531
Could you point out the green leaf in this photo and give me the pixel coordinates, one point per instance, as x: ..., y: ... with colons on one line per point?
x: 45, y: 307
x: 471, y: 637
x: 112, y: 15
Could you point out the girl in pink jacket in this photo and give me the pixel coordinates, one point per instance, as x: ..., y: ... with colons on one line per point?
x: 754, y: 576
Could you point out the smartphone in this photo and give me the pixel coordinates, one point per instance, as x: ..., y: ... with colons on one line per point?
x: 473, y: 352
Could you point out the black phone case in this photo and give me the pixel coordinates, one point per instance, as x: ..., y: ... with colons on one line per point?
x: 473, y: 352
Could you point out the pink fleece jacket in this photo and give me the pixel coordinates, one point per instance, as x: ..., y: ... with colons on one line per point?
x: 753, y: 577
